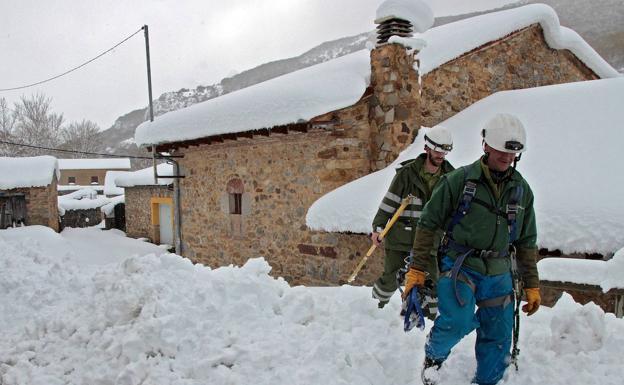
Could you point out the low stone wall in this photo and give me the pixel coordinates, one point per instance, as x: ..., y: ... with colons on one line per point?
x: 81, y: 218
x: 611, y: 301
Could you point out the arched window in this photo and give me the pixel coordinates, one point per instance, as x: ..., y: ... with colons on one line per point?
x: 235, y: 190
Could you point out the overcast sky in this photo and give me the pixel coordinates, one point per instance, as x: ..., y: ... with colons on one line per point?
x: 192, y: 42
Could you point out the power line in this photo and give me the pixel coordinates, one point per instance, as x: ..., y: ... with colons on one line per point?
x: 75, y: 68
x: 73, y: 151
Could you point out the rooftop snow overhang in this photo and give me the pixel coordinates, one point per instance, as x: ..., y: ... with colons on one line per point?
x: 293, y: 102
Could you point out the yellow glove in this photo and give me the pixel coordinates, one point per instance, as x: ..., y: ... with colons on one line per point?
x: 533, y: 300
x: 413, y: 278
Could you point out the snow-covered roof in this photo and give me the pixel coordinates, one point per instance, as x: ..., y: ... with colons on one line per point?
x: 110, y: 188
x: 145, y: 177
x: 415, y: 11
x: 95, y: 164
x: 109, y: 208
x: 294, y: 97
x: 83, y: 199
x: 304, y: 94
x: 450, y: 41
x: 36, y: 171
x: 572, y: 164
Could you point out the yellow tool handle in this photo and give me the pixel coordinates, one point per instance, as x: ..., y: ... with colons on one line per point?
x: 381, y: 236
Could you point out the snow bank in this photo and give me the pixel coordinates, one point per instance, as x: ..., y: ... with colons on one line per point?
x: 572, y: 164
x: 36, y: 171
x: 162, y: 320
x: 83, y: 199
x: 94, y: 164
x: 415, y: 11
x: 291, y: 98
x: 145, y: 177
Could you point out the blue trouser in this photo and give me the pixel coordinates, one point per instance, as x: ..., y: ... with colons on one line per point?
x: 494, y: 324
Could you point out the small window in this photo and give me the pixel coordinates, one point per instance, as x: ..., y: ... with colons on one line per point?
x: 236, y: 203
x: 71, y: 180
x: 235, y: 189
x: 94, y: 180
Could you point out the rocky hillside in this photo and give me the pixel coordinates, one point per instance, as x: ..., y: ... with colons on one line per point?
x: 599, y: 22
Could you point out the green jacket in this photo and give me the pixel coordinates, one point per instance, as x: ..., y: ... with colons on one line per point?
x: 406, y: 181
x: 481, y: 228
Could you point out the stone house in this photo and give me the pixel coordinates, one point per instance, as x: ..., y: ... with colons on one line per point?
x: 255, y: 160
x: 149, y: 209
x: 29, y: 196
x: 80, y: 173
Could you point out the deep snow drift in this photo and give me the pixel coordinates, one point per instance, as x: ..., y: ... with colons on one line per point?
x: 70, y: 315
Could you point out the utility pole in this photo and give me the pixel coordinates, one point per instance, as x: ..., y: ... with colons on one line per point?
x: 149, y: 72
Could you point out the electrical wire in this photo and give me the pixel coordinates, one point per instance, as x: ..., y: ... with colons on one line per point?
x: 73, y: 69
x: 74, y: 151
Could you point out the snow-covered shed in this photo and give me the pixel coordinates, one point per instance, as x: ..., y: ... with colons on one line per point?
x: 28, y: 191
x: 148, y: 204
x: 81, y: 208
x: 91, y: 173
x: 254, y: 160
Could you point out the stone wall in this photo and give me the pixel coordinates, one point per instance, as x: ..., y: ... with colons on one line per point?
x: 282, y: 175
x: 138, y: 210
x: 81, y: 218
x: 521, y: 60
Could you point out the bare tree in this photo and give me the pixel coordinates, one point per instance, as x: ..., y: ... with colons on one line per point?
x: 82, y: 136
x: 36, y: 124
x: 7, y: 123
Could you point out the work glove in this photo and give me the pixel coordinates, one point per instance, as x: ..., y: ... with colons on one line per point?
x: 413, y: 277
x: 533, y: 300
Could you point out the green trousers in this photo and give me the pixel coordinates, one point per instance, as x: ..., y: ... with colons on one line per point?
x: 385, y: 286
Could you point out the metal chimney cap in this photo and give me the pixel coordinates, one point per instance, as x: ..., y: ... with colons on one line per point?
x: 415, y: 11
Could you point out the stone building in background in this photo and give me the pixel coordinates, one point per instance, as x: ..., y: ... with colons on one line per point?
x: 255, y: 160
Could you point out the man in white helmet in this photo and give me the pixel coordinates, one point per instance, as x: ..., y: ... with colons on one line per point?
x: 417, y: 177
x: 486, y: 211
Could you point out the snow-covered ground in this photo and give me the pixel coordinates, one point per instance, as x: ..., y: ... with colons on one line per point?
x: 94, y: 307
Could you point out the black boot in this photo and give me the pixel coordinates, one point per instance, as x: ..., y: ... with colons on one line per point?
x: 429, y: 377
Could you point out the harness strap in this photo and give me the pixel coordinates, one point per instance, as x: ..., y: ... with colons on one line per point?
x: 455, y: 272
x: 462, y: 277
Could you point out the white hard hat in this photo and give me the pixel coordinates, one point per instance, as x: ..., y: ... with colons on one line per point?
x: 439, y: 138
x: 505, y: 132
